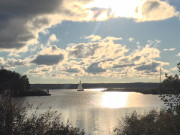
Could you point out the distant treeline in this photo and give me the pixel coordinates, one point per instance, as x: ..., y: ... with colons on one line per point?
x: 95, y: 85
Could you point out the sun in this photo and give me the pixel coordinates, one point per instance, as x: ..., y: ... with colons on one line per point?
x: 118, y: 8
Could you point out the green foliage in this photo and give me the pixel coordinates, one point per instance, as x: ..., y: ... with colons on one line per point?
x: 16, y: 121
x: 13, y: 81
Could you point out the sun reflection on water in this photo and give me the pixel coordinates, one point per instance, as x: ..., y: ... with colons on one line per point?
x: 114, y: 99
x: 97, y: 89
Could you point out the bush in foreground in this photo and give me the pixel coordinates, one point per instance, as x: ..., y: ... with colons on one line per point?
x: 152, y: 123
x: 15, y: 121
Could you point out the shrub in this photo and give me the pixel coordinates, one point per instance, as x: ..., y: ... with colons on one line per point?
x: 152, y: 123
x: 15, y: 121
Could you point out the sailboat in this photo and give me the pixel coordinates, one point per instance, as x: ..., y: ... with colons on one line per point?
x: 80, y: 88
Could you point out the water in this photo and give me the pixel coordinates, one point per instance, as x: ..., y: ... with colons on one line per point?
x: 94, y: 111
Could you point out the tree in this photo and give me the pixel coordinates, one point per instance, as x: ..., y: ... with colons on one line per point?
x: 170, y: 89
x: 171, y: 85
x: 13, y: 81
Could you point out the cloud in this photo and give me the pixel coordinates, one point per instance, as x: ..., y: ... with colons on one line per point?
x: 72, y: 70
x: 51, y: 50
x: 15, y: 62
x: 48, y: 59
x: 95, y: 69
x: 20, y: 24
x: 12, y: 63
x: 22, y: 20
x: 178, y: 54
x: 140, y: 62
x: 152, y: 67
x: 100, y: 58
x: 170, y: 49
x: 82, y: 50
x: 98, y: 51
x: 123, y: 65
x: 42, y: 70
x: 131, y: 39
x: 109, y: 59
x: 2, y: 62
x: 155, y: 10
x: 52, y: 38
x: 145, y: 54
x: 174, y: 69
x: 139, y: 10
x: 93, y: 37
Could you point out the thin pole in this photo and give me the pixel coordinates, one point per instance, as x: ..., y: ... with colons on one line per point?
x: 160, y: 74
x: 160, y: 77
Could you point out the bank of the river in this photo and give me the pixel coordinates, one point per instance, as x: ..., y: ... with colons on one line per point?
x: 139, y: 90
x: 34, y: 93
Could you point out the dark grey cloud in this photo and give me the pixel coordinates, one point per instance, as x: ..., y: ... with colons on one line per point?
x: 83, y: 51
x: 149, y: 67
x: 16, y: 14
x: 48, y: 59
x: 95, y: 69
x: 137, y: 58
x: 151, y: 5
x: 28, y: 7
x: 54, y: 47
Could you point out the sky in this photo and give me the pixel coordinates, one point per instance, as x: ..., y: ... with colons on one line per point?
x: 95, y: 41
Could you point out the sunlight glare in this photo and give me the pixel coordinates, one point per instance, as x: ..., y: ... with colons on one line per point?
x: 97, y: 89
x: 119, y: 8
x: 114, y: 99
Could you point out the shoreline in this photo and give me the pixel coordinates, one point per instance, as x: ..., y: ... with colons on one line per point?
x: 33, y: 93
x: 138, y: 90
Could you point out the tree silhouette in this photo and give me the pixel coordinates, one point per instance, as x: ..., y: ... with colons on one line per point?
x: 170, y: 89
x: 13, y: 81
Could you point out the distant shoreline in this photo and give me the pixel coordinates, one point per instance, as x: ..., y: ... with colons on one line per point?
x: 144, y: 88
x: 139, y: 90
x: 97, y: 85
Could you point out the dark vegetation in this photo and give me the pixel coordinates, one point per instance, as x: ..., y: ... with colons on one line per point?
x: 151, y: 123
x: 15, y: 84
x: 13, y: 81
x: 14, y: 120
x: 171, y: 84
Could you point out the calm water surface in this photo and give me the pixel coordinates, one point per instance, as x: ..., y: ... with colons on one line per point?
x: 94, y: 111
